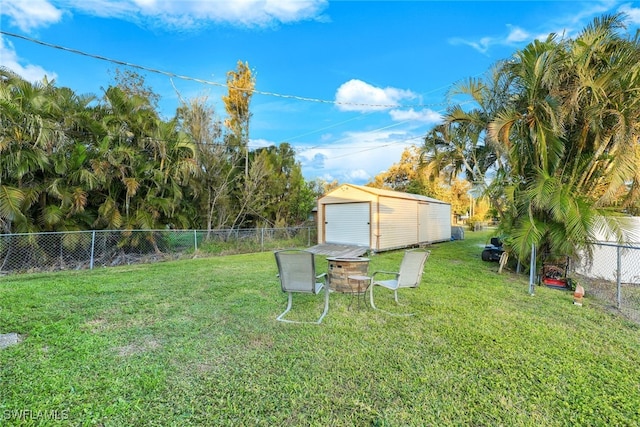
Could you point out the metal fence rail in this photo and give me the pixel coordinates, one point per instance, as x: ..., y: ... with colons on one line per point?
x: 612, y: 275
x: 36, y: 252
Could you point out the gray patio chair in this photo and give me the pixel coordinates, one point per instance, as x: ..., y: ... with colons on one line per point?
x: 297, y: 273
x: 408, y: 276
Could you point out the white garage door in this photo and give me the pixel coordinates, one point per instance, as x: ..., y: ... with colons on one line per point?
x: 347, y: 223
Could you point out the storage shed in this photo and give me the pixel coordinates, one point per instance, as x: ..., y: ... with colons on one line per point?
x: 381, y: 219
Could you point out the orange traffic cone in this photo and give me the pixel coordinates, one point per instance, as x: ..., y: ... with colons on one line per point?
x: 578, y: 294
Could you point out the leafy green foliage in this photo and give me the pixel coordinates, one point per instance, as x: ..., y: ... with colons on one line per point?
x: 555, y: 130
x: 78, y: 162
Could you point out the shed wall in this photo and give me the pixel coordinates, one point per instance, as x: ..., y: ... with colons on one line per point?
x: 398, y: 226
x: 434, y: 222
x: 395, y: 222
x: 441, y: 222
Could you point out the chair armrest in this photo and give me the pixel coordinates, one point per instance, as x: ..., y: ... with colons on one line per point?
x: 394, y: 273
x: 322, y: 276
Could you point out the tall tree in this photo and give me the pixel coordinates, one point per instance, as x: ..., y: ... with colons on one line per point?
x: 572, y: 132
x: 25, y: 141
x: 401, y: 176
x: 240, y: 87
x: 284, y: 187
x: 412, y: 175
x: 252, y: 195
x: 143, y: 165
x: 38, y: 124
x: 134, y: 83
x: 215, y: 159
x: 560, y: 122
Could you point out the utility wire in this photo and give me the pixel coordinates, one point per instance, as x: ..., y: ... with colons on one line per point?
x: 359, y: 117
x: 374, y: 148
x: 371, y: 131
x: 212, y: 83
x: 206, y: 82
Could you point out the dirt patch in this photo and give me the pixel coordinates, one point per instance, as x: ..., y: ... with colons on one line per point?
x: 97, y: 325
x: 148, y: 344
x: 106, y: 323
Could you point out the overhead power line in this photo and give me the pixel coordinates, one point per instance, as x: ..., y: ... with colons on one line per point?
x: 206, y: 82
x: 375, y: 148
x: 224, y: 85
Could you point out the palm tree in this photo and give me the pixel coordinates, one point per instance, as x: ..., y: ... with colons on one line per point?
x: 571, y: 128
x: 462, y: 144
x: 557, y: 125
x: 143, y: 164
x: 29, y: 134
x: 173, y: 159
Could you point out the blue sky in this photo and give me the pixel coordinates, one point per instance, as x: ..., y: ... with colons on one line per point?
x: 349, y: 84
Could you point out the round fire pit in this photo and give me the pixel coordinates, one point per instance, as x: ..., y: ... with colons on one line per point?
x: 341, y: 268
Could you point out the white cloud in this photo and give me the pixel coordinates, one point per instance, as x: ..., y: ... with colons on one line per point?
x: 327, y: 177
x: 633, y: 13
x: 358, y: 175
x: 260, y: 143
x: 517, y: 35
x: 357, y: 157
x: 145, y: 4
x: 481, y: 45
x: 356, y: 95
x: 313, y: 158
x: 317, y: 161
x: 294, y: 10
x: 591, y: 9
x: 426, y: 115
x: 563, y: 26
x: 194, y: 14
x: 30, y: 14
x: 29, y: 72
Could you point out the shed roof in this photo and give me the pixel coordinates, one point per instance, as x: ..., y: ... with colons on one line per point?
x: 391, y: 193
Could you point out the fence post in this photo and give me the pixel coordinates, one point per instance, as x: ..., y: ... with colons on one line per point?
x: 195, y: 240
x: 308, y: 236
x: 262, y: 239
x: 532, y: 269
x: 619, y: 274
x: 93, y: 245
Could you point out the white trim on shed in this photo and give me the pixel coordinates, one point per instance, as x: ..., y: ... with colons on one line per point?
x: 391, y: 219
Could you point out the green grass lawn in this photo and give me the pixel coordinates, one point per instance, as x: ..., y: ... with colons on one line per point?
x: 195, y: 342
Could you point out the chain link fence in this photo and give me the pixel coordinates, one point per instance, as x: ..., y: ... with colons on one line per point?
x: 39, y: 252
x: 613, y: 276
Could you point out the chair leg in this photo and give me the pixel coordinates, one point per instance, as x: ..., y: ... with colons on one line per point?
x: 384, y: 311
x: 317, y: 322
x: 280, y: 318
x: 371, y: 297
x: 326, y: 304
x: 395, y: 294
